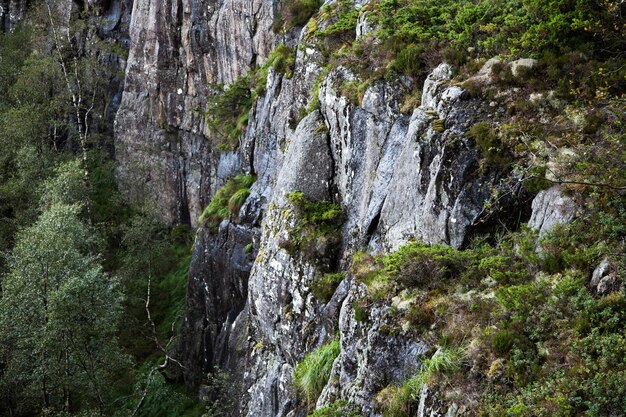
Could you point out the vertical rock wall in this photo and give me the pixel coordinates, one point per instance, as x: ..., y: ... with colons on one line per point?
x: 11, y: 12
x: 396, y: 176
x: 178, y: 48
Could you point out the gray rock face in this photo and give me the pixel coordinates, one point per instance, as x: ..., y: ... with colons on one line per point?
x: 397, y: 177
x: 163, y: 146
x: 550, y: 208
x: 216, y: 293
x: 604, y: 279
x: 11, y: 12
x: 523, y: 64
x: 371, y: 358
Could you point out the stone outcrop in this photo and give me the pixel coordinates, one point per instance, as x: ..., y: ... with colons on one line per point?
x: 551, y: 207
x: 11, y: 12
x: 178, y: 48
x: 396, y: 176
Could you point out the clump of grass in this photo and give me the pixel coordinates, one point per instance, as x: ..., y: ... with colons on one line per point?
x: 228, y: 200
x: 337, y: 409
x: 402, y: 401
x: 316, y: 233
x: 489, y: 143
x: 439, y: 125
x: 324, y: 286
x: 411, y: 101
x: 282, y: 59
x: 311, y: 375
x: 227, y: 112
x: 295, y: 13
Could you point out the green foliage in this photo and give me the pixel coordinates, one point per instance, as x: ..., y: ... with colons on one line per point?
x: 295, y: 13
x: 60, y: 308
x: 336, y: 409
x: 417, y: 265
x: 439, y: 125
x: 343, y: 28
x: 311, y: 375
x: 163, y: 399
x: 489, y: 143
x: 282, y: 60
x: 317, y: 230
x: 408, y: 60
x: 227, y: 112
x: 324, y: 286
x: 354, y: 91
x: 402, y: 401
x: 227, y: 200
x: 223, y: 394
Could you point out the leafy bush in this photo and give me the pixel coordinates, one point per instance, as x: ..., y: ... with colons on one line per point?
x: 409, y: 60
x: 311, y: 375
x: 227, y: 200
x: 343, y: 28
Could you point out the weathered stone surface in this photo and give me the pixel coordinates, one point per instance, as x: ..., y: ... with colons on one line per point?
x: 11, y: 12
x: 604, y: 279
x: 522, y: 64
x: 550, y: 208
x: 217, y: 291
x: 397, y: 177
x: 371, y: 356
x: 164, y: 148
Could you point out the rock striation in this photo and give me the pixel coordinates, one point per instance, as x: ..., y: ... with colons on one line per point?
x: 396, y: 176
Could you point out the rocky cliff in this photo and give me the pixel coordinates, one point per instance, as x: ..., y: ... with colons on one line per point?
x: 397, y: 177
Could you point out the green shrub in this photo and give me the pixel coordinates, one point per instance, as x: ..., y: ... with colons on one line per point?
x: 489, y: 143
x: 295, y: 13
x: 418, y: 264
x: 227, y: 112
x: 324, y: 286
x: 317, y: 231
x: 227, y: 200
x: 502, y: 342
x: 504, y: 268
x: 343, y: 28
x: 408, y: 60
x: 312, y: 374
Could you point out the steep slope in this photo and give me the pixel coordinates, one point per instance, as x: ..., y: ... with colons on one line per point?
x: 397, y: 176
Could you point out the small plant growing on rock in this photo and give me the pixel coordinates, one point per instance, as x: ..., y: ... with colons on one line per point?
x: 337, y: 409
x: 490, y: 145
x: 402, y: 401
x: 227, y: 112
x: 316, y: 233
x: 311, y: 375
x: 324, y: 286
x: 228, y: 200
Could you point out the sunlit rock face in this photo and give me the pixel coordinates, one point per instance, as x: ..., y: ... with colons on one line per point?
x: 397, y: 177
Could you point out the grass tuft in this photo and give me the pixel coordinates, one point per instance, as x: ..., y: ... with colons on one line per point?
x: 311, y: 375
